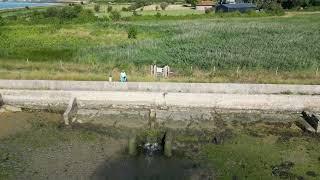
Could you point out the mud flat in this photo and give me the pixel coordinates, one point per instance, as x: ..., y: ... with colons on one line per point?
x: 47, y: 149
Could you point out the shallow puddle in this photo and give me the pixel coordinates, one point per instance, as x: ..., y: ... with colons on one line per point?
x: 145, y: 168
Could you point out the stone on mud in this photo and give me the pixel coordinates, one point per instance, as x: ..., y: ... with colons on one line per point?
x: 11, y: 108
x: 71, y: 111
x: 311, y: 121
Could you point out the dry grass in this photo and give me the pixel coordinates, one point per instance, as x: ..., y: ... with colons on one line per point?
x: 101, y: 72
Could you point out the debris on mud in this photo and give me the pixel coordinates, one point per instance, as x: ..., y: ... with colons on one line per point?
x: 283, y: 170
x: 8, y: 108
x: 285, y: 137
x: 4, y: 157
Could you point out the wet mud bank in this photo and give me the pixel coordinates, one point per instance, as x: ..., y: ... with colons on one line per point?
x: 235, y: 145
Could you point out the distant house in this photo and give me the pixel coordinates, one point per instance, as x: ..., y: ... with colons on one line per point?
x: 232, y: 6
x: 203, y: 5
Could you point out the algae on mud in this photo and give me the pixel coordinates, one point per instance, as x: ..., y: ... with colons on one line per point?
x: 242, y: 149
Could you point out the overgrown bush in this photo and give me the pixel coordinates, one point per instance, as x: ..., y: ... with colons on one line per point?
x: 77, y: 8
x: 12, y: 18
x: 109, y: 9
x: 270, y: 6
x: 158, y: 15
x: 104, y: 19
x: 115, y: 15
x: 96, y: 8
x: 192, y: 2
x: 51, y: 12
x: 164, y: 5
x: 139, y: 4
x: 36, y: 16
x: 208, y: 10
x: 1, y: 21
x: 275, y: 8
x: 67, y: 13
x: 132, y: 32
x: 86, y: 15
x: 124, y: 9
x: 134, y: 13
x: 289, y: 4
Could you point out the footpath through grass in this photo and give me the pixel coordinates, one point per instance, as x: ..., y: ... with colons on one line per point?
x: 213, y: 49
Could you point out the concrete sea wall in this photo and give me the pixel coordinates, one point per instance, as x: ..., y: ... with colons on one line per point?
x: 127, y: 100
x: 178, y: 105
x: 227, y: 88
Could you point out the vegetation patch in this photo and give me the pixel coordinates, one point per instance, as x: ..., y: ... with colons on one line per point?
x: 215, y: 47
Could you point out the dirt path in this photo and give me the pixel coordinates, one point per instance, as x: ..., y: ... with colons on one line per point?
x: 295, y: 13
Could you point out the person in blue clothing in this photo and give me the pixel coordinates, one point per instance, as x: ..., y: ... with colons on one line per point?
x: 123, y: 76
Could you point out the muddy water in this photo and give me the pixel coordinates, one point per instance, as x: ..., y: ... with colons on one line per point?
x: 37, y: 146
x: 146, y: 168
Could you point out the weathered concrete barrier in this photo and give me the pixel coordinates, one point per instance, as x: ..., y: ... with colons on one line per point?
x: 71, y: 111
x: 150, y: 109
x: 57, y: 100
x: 148, y: 100
x: 226, y: 88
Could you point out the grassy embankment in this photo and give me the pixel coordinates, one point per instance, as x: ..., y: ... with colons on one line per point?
x: 199, y: 48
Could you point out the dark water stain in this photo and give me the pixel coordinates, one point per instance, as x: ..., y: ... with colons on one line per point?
x: 311, y: 173
x: 145, y: 168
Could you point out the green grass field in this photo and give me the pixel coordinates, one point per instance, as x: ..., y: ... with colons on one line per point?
x: 280, y: 49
